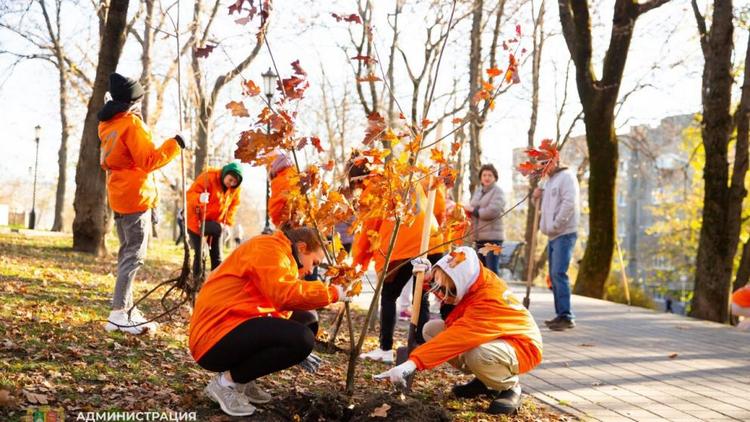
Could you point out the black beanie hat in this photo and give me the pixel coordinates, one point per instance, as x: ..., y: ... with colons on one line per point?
x: 124, y: 89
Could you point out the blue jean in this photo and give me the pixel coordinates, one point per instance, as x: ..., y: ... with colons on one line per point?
x: 560, y: 250
x: 491, y: 260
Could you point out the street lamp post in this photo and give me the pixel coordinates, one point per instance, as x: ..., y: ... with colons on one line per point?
x: 32, y: 215
x: 268, y: 84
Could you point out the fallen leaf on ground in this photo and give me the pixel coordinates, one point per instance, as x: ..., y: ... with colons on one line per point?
x: 6, y: 400
x: 381, y: 411
x: 673, y: 355
x: 586, y: 345
x: 34, y: 398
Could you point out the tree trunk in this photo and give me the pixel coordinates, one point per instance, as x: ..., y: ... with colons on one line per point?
x: 743, y: 271
x: 62, y: 154
x: 475, y: 80
x: 722, y: 204
x: 148, y: 39
x: 597, y: 259
x: 536, y: 59
x: 92, y: 214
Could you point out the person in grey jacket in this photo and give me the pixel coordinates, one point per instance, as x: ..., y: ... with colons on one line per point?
x: 486, y: 207
x: 560, y: 209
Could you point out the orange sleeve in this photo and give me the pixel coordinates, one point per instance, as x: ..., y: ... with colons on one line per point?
x: 233, y: 206
x: 277, y: 280
x: 361, y: 253
x: 144, y: 153
x: 741, y: 297
x: 477, y: 326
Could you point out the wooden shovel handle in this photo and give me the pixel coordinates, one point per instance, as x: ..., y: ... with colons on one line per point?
x: 424, y: 245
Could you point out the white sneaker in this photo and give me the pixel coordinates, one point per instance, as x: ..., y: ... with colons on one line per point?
x: 231, y: 401
x: 118, y: 321
x: 379, y: 355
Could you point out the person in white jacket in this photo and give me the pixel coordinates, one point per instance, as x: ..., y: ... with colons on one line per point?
x: 560, y: 210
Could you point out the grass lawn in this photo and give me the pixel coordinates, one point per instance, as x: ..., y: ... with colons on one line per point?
x: 55, y: 352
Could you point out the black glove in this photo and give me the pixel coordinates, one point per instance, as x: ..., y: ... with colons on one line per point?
x: 180, y: 141
x: 311, y: 363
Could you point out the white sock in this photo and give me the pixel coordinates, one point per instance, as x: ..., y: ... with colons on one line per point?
x: 224, y: 382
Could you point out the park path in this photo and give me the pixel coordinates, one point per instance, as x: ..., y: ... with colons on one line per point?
x: 631, y: 364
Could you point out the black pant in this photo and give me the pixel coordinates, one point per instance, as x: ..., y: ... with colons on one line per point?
x: 262, y: 346
x: 391, y: 292
x: 212, y: 231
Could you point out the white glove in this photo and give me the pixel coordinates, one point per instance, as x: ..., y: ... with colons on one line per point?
x: 343, y: 297
x: 398, y: 374
x: 420, y: 265
x: 203, y: 198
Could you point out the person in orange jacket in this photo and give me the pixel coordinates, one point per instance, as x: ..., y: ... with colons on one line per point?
x: 406, y: 247
x: 488, y: 334
x: 282, y: 174
x: 129, y: 156
x: 250, y: 317
x: 217, y: 193
x: 741, y: 306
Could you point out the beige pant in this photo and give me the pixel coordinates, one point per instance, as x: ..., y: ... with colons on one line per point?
x: 744, y: 313
x: 494, y: 363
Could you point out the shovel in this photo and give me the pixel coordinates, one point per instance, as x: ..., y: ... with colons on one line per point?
x: 402, y: 353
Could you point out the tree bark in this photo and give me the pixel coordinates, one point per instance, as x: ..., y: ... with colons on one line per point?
x: 148, y: 40
x: 92, y: 214
x: 475, y: 81
x: 743, y: 271
x: 536, y: 59
x: 723, y: 195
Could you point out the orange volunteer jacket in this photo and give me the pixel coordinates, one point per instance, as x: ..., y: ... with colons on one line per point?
x: 487, y: 311
x: 741, y: 297
x: 281, y: 184
x: 222, y: 204
x: 409, y: 236
x: 259, y: 279
x: 128, y: 155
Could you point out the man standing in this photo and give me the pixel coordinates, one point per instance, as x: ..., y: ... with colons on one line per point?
x: 129, y: 155
x: 560, y: 209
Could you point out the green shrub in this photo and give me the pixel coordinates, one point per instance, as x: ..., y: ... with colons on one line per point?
x: 614, y: 292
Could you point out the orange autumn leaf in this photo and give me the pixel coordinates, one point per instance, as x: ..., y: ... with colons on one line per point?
x: 455, y: 147
x: 329, y: 165
x: 493, y: 72
x: 457, y: 120
x: 458, y: 257
x: 250, y: 89
x: 490, y: 248
x: 369, y: 78
x: 367, y: 60
x: 355, y: 289
x: 374, y: 238
x: 436, y: 155
x: 238, y: 109
x: 426, y: 122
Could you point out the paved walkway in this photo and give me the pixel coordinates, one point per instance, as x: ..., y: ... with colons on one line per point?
x: 629, y: 363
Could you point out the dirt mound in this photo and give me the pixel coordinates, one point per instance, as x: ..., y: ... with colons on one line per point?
x: 336, y: 406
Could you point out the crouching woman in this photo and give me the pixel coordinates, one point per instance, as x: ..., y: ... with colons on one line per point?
x: 488, y: 334
x: 252, y: 318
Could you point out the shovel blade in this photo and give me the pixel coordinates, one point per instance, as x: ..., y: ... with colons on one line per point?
x: 402, y: 355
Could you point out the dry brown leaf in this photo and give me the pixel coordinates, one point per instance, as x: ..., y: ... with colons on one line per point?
x: 673, y: 355
x: 381, y: 411
x: 586, y: 345
x: 34, y: 398
x: 6, y: 400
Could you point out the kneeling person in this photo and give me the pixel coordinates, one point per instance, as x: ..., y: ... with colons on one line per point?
x: 488, y: 334
x: 251, y: 317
